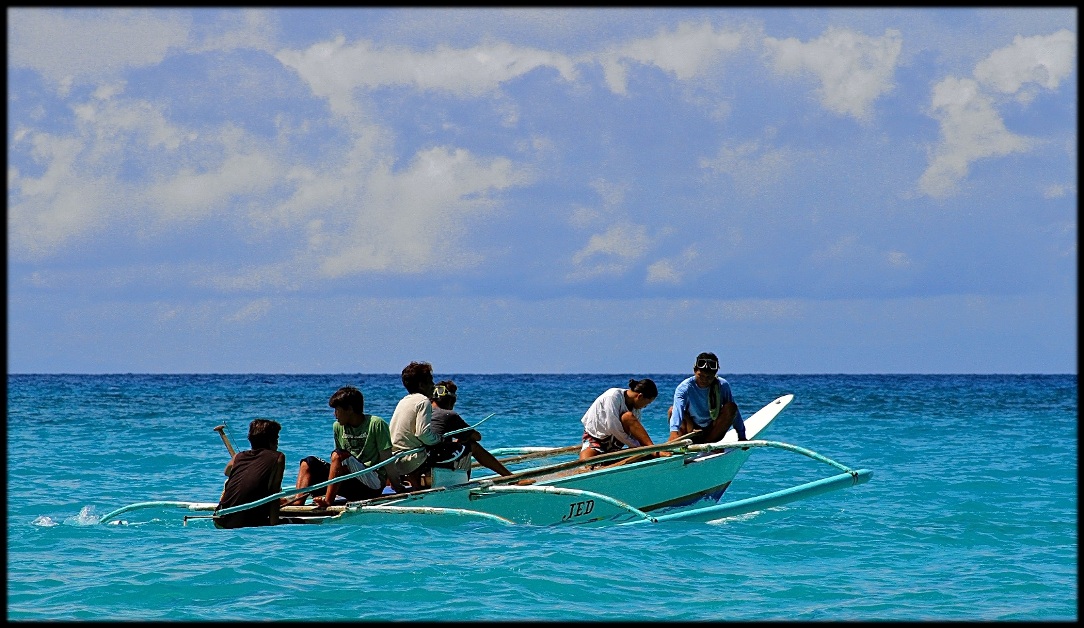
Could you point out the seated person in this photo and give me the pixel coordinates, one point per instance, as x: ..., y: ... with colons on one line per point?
x: 446, y: 419
x: 411, y: 426
x: 613, y: 420
x: 254, y: 474
x: 361, y: 440
x: 704, y: 405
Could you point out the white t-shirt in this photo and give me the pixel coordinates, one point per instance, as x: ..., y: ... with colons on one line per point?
x: 603, y: 418
x: 411, y: 426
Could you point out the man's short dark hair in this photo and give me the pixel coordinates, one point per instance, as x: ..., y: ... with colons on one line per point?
x: 706, y: 356
x: 262, y: 433
x: 414, y: 374
x: 348, y: 397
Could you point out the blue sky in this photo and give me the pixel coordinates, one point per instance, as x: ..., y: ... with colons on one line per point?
x: 548, y: 191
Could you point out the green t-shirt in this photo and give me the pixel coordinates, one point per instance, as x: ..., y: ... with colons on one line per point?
x: 365, y: 441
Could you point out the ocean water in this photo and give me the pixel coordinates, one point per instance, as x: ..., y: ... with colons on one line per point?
x: 971, y: 513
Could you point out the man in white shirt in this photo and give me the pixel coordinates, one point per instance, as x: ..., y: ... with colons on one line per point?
x: 411, y: 425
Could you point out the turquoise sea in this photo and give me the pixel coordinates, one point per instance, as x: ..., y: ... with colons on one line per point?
x: 971, y: 513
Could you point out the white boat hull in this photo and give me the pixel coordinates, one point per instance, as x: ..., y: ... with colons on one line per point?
x: 605, y: 493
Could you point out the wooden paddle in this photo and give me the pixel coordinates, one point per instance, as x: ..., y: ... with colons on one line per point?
x: 225, y: 440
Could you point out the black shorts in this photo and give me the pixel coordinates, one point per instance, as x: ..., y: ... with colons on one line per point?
x: 352, y: 489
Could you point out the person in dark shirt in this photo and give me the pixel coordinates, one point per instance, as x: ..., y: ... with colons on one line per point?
x: 445, y: 420
x: 254, y: 474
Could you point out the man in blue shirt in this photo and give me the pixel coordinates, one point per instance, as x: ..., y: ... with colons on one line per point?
x: 704, y: 404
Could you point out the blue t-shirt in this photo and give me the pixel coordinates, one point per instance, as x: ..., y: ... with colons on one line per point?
x: 694, y: 399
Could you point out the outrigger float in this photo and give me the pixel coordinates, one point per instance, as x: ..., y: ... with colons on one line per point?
x: 627, y: 487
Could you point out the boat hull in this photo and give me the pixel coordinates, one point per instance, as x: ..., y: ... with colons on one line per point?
x: 576, y: 496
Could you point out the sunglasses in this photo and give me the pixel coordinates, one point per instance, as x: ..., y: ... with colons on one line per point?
x: 707, y: 365
x: 442, y: 391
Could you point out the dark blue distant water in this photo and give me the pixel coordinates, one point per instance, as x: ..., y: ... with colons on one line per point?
x: 971, y: 513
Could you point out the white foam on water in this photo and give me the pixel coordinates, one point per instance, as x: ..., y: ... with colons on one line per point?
x: 86, y: 517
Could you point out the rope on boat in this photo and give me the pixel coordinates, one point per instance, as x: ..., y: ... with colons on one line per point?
x: 575, y: 492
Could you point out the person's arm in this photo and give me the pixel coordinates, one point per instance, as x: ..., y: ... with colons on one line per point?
x: 227, y: 471
x: 680, y: 413
x: 392, y: 471
x: 487, y: 459
x: 633, y: 427
x: 276, y: 485
x: 737, y: 421
x: 425, y: 432
x: 229, y: 466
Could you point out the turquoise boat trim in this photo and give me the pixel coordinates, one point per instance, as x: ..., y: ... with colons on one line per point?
x: 771, y: 443
x: 769, y: 500
x: 556, y: 490
x: 158, y: 504
x: 426, y: 510
x: 469, y: 427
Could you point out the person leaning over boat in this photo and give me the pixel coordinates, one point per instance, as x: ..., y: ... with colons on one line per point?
x: 412, y: 425
x: 445, y: 420
x: 254, y: 474
x: 704, y: 404
x: 361, y: 440
x: 613, y: 420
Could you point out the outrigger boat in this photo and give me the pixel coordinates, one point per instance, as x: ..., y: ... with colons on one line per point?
x: 674, y: 481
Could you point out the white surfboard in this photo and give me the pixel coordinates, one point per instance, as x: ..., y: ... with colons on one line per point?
x: 760, y: 420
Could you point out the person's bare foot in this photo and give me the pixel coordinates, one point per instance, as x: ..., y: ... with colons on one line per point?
x: 319, y: 502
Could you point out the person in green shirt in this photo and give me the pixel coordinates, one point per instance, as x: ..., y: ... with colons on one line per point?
x: 361, y: 440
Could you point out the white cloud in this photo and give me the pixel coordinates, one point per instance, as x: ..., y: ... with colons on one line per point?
x: 1043, y: 60
x: 126, y: 165
x: 898, y: 259
x: 46, y: 212
x: 87, y: 181
x: 192, y: 195
x: 334, y: 70
x: 412, y: 221
x: 611, y: 252
x: 753, y: 166
x: 854, y: 69
x: 1059, y: 190
x: 687, y: 52
x: 672, y: 270
x: 971, y: 129
x: 253, y: 311
x: 846, y: 246
x: 249, y: 29
x: 75, y: 46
